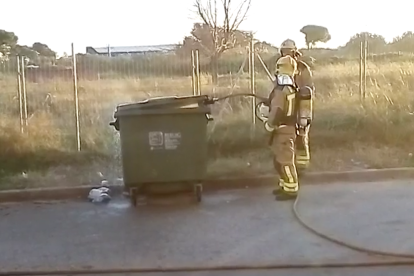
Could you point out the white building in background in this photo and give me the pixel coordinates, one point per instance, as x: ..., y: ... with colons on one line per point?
x: 112, y: 51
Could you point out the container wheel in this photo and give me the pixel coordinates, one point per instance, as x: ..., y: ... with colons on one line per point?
x: 198, y: 190
x: 133, y: 196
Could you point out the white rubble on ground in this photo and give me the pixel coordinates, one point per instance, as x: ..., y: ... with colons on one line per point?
x: 99, y: 195
x: 102, y: 194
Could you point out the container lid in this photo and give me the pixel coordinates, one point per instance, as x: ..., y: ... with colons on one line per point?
x: 165, y: 105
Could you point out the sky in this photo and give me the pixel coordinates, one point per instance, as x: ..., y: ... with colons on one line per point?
x: 95, y: 23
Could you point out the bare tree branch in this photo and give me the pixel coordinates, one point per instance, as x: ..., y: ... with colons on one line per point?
x: 202, y: 12
x: 223, y: 36
x: 216, y: 37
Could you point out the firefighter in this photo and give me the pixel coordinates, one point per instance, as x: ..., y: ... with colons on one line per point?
x: 304, y: 82
x: 281, y: 123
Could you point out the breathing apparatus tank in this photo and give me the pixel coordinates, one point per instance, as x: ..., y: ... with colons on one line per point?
x: 305, y: 107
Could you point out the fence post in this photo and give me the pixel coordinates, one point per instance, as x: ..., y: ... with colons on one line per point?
x: 361, y: 58
x: 252, y: 79
x: 363, y: 47
x: 195, y: 66
x: 269, y: 75
x: 365, y: 66
x: 197, y: 56
x: 193, y: 78
x: 76, y: 99
x: 19, y: 94
x: 24, y: 92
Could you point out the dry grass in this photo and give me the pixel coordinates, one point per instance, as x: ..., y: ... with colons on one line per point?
x: 345, y: 134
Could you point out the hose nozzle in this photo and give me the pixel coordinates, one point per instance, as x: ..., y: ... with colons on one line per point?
x: 211, y: 100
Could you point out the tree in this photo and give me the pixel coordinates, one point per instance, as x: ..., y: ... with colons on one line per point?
x: 314, y: 33
x: 25, y: 51
x: 215, y: 36
x: 8, y: 41
x: 9, y: 46
x: 403, y: 43
x: 263, y: 46
x: 376, y: 43
x: 200, y: 39
x: 43, y: 50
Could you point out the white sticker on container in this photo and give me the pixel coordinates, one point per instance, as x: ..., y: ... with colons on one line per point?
x: 155, y: 139
x: 172, y: 140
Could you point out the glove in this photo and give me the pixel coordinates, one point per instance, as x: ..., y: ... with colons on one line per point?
x: 264, y: 110
x: 269, y: 127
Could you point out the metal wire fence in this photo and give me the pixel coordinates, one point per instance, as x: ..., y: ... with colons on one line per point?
x: 77, y: 102
x: 43, y: 98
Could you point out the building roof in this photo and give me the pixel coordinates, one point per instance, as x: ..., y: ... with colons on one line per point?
x: 134, y: 49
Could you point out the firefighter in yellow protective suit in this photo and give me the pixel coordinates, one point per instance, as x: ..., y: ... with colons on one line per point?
x: 282, y: 124
x: 305, y: 85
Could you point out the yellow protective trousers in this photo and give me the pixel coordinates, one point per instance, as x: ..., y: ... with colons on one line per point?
x: 282, y: 145
x: 302, y: 148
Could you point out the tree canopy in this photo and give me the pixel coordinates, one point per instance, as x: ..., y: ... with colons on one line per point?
x: 403, y: 43
x: 43, y: 49
x: 201, y: 39
x: 314, y: 34
x: 376, y: 43
x: 9, y: 46
x: 8, y: 41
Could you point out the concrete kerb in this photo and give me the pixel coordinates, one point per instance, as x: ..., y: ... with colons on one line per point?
x: 78, y: 192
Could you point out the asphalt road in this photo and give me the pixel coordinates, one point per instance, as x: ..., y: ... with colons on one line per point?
x: 380, y: 271
x: 229, y: 228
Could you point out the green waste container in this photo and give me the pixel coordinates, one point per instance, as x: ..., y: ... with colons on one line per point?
x: 163, y: 144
